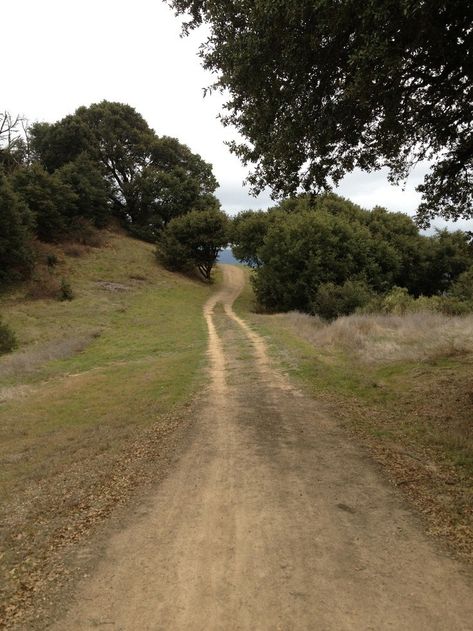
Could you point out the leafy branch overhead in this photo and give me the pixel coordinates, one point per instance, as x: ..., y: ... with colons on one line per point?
x: 318, y: 89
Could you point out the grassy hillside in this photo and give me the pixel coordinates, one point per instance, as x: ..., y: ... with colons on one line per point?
x: 404, y: 385
x: 93, y: 390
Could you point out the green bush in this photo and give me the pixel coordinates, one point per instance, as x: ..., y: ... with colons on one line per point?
x: 332, y: 301
x: 65, y: 290
x: 462, y: 288
x: 8, y: 341
x: 453, y: 306
x: 302, y: 251
x: 397, y: 301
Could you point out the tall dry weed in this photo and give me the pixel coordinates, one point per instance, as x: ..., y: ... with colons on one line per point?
x: 384, y: 338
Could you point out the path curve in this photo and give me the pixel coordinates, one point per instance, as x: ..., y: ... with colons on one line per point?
x: 271, y: 520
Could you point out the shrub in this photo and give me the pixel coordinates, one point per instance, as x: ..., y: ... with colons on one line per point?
x: 43, y: 285
x: 65, y: 290
x: 8, y: 341
x: 332, y: 301
x: 462, y: 288
x: 302, y: 251
x: 51, y: 260
x: 397, y: 301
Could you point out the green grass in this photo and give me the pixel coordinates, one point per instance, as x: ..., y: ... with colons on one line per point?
x: 413, y: 415
x: 144, y: 355
x: 398, y: 401
x: 90, y: 404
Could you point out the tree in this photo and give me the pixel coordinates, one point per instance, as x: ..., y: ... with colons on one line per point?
x: 14, y: 142
x: 247, y: 234
x: 303, y: 250
x: 194, y: 240
x: 86, y: 180
x: 449, y: 255
x: 16, y: 257
x: 150, y: 179
x: 50, y: 200
x: 320, y: 88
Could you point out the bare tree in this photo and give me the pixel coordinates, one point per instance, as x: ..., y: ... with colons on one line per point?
x: 14, y: 140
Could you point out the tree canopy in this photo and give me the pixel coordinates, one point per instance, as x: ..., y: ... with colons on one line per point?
x: 320, y: 88
x: 332, y: 253
x: 16, y: 256
x: 60, y: 181
x: 194, y: 240
x: 150, y: 178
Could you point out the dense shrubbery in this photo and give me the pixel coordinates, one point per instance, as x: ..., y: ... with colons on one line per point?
x: 398, y: 301
x: 332, y: 301
x: 62, y: 181
x: 331, y: 257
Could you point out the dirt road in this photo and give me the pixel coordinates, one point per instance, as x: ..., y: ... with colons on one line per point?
x: 271, y: 520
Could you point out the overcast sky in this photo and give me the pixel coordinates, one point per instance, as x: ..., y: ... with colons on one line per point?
x: 60, y: 54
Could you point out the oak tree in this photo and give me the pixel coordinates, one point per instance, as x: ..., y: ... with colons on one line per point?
x: 318, y: 89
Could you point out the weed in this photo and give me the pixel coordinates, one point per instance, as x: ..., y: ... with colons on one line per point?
x: 65, y: 290
x: 51, y: 260
x: 43, y: 285
x: 8, y: 341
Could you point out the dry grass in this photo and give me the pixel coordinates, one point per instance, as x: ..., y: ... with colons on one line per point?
x: 75, y: 250
x: 31, y: 358
x: 43, y: 285
x: 382, y: 338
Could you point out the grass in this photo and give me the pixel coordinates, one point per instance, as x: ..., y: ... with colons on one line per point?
x: 404, y: 386
x: 90, y: 377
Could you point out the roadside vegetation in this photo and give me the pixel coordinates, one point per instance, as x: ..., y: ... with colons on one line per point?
x: 328, y: 256
x: 402, y: 383
x: 88, y: 396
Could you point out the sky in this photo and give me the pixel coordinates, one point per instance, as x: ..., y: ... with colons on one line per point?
x: 61, y: 54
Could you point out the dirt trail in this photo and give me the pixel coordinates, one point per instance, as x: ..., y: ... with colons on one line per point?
x: 271, y: 520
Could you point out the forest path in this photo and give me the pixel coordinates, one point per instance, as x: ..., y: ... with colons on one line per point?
x: 272, y: 519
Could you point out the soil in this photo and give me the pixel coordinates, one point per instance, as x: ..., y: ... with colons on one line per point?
x: 273, y: 519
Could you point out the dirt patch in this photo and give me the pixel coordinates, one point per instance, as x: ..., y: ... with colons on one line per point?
x: 109, y: 286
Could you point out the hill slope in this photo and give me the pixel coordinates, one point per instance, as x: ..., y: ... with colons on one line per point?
x: 89, y: 400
